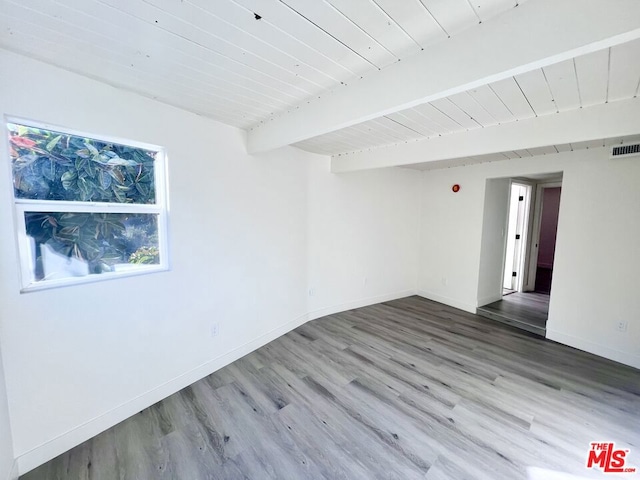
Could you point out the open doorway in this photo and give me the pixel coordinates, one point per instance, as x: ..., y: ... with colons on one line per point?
x: 531, y: 207
x: 545, y: 228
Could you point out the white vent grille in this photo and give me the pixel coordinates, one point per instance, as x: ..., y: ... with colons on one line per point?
x: 619, y: 151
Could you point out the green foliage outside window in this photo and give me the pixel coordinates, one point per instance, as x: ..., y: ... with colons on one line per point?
x: 49, y: 165
x: 53, y: 166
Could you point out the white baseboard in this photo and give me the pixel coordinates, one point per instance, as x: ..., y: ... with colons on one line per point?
x: 447, y: 301
x: 631, y: 359
x: 13, y: 473
x: 56, y: 446
x: 93, y: 427
x: 363, y: 302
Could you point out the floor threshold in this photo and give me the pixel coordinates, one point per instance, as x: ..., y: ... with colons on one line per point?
x: 514, y: 322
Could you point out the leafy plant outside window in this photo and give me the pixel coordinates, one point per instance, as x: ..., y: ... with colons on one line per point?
x: 85, y: 206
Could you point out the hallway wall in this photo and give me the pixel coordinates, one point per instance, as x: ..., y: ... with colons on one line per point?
x: 597, y: 253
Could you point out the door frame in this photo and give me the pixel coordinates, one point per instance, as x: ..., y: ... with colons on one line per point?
x: 532, y: 262
x: 520, y: 249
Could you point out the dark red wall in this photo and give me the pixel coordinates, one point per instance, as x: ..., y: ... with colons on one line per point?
x: 548, y: 226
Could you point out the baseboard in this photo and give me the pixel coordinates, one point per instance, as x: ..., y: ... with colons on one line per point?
x: 631, y: 359
x: 363, y: 302
x: 52, y: 448
x: 89, y: 429
x: 13, y: 473
x: 56, y: 446
x: 447, y: 301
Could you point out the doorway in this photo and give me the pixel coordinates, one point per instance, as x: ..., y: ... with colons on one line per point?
x: 532, y: 214
x: 545, y: 228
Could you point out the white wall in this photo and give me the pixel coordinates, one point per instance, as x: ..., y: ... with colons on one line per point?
x: 492, y: 251
x: 250, y: 236
x: 597, y: 253
x: 80, y: 359
x: 450, y: 237
x: 6, y: 444
x: 363, y: 237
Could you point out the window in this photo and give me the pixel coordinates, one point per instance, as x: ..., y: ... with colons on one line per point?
x: 87, y: 208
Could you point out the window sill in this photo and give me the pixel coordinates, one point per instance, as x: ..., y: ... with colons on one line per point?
x: 99, y: 277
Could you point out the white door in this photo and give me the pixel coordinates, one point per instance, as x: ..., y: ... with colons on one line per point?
x: 516, y: 236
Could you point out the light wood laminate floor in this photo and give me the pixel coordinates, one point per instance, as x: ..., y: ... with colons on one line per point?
x: 406, y: 389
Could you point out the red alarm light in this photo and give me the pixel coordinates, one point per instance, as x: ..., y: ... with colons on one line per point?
x: 455, y: 188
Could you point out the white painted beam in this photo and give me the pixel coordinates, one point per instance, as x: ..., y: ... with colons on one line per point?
x: 616, y: 119
x: 535, y: 34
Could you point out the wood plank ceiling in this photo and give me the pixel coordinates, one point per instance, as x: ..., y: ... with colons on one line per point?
x: 242, y: 62
x: 600, y: 77
x: 529, y: 152
x: 237, y: 61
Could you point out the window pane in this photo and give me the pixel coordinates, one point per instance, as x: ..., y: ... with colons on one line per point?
x: 49, y: 165
x: 64, y: 244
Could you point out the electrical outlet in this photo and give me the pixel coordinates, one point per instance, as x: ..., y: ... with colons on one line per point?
x: 622, y: 325
x: 444, y: 281
x: 365, y: 280
x: 215, y: 329
x: 312, y: 292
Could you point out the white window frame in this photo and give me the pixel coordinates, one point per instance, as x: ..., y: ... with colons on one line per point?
x: 22, y: 206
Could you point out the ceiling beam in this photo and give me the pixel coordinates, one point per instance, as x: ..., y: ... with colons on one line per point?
x: 533, y: 35
x: 609, y: 120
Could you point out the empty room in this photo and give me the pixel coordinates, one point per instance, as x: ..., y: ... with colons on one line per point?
x: 319, y: 239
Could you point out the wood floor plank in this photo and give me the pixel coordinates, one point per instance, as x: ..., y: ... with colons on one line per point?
x: 406, y: 389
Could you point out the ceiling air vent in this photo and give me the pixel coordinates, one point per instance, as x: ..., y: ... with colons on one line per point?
x: 621, y: 151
